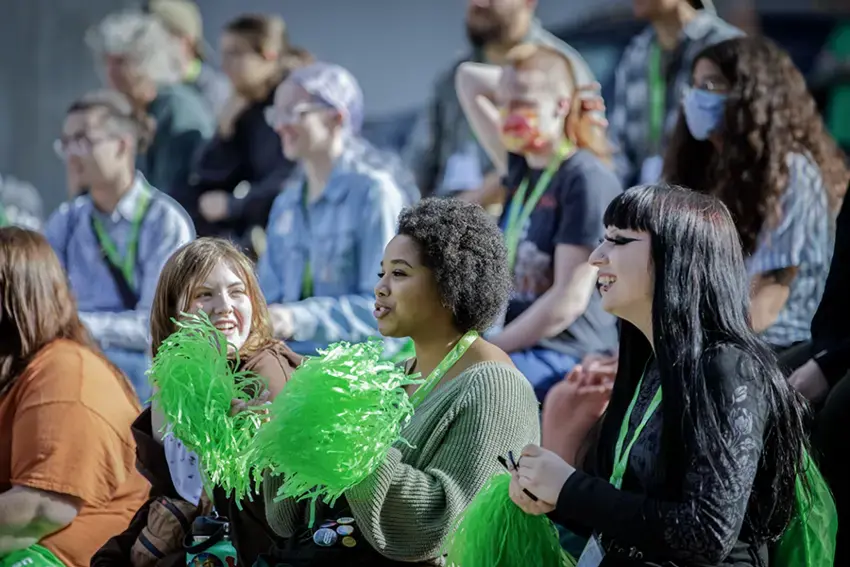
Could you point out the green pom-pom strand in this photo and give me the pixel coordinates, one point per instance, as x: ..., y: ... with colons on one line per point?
x: 495, y: 532
x: 334, y: 422
x: 196, y: 384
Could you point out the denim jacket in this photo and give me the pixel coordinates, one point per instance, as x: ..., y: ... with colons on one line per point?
x: 340, y: 239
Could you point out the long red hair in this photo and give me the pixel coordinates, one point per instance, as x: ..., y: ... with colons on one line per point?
x: 36, y: 306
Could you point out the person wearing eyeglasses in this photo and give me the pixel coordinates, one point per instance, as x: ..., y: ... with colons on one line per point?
x: 328, y: 228
x: 649, y: 79
x: 751, y: 135
x: 114, y: 239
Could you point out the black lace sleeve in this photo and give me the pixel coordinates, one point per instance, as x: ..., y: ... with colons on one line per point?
x: 705, y: 523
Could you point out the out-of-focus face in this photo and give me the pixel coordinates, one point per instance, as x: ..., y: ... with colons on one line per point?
x: 406, y: 295
x: 91, y: 151
x: 303, y: 124
x: 223, y: 296
x: 245, y: 68
x: 123, y: 75
x: 489, y: 21
x: 625, y: 277
x: 533, y: 114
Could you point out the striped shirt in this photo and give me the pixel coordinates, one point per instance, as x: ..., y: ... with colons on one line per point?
x: 802, y: 238
x: 629, y: 128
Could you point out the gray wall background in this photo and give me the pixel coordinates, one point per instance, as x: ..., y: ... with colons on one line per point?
x: 394, y: 47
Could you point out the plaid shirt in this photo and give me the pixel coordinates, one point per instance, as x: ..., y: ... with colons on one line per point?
x: 629, y: 128
x: 803, y: 238
x: 442, y: 152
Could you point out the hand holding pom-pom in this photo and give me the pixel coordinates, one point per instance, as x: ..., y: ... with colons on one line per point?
x: 333, y: 423
x: 493, y: 531
x: 196, y: 387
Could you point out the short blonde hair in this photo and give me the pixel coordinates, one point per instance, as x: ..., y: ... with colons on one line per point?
x: 143, y: 39
x: 562, y: 79
x: 532, y: 56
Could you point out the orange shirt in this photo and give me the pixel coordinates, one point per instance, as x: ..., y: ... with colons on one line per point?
x: 65, y: 428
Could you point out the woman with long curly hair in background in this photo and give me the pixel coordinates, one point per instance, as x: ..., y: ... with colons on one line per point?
x: 750, y: 133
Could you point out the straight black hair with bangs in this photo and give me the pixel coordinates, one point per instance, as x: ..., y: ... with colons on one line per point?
x: 700, y: 304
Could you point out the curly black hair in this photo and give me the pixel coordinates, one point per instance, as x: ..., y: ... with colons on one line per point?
x: 769, y: 115
x: 464, y: 248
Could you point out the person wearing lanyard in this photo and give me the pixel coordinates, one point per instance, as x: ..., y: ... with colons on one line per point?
x: 650, y: 77
x: 559, y: 184
x: 696, y: 459
x: 443, y: 280
x: 328, y: 228
x: 114, y: 239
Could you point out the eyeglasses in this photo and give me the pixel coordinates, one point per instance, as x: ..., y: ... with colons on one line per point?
x: 78, y: 146
x: 708, y: 85
x: 279, y: 117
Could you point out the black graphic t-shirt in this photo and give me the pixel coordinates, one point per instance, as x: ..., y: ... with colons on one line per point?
x: 569, y: 212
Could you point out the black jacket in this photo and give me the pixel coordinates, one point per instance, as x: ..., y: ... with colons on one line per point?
x: 252, y: 155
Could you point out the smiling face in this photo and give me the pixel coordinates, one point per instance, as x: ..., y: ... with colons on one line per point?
x: 304, y: 125
x: 406, y: 297
x: 625, y: 274
x: 223, y: 296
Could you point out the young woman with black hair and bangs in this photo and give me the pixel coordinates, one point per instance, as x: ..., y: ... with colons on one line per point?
x: 695, y: 460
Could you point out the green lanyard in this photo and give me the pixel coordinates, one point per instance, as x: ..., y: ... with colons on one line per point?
x: 657, y: 97
x: 434, y: 378
x: 307, y: 277
x: 521, y: 209
x: 126, y: 264
x: 193, y: 71
x: 621, y: 457
x: 4, y: 220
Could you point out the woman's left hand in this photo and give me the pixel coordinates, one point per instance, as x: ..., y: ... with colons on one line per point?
x: 543, y: 473
x: 521, y: 499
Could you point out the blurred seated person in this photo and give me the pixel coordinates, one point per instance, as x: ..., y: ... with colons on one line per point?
x: 68, y: 479
x: 182, y: 19
x: 751, y: 135
x: 328, y: 228
x: 114, y: 239
x: 245, y: 150
x: 528, y: 116
x: 140, y: 59
x: 443, y: 151
x: 20, y: 204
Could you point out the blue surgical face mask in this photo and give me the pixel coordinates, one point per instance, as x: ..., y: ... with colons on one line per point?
x: 703, y: 112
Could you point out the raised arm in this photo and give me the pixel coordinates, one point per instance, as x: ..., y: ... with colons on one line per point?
x: 476, y: 85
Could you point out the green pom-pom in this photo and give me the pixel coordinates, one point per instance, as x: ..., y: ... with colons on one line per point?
x: 495, y: 532
x: 196, y: 384
x: 334, y: 422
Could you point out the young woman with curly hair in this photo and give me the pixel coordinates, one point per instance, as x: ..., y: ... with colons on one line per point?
x: 751, y: 135
x: 443, y: 280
